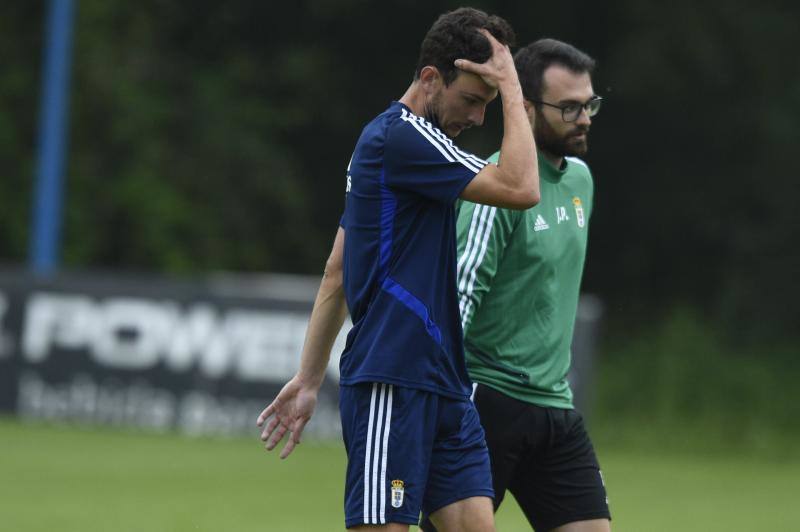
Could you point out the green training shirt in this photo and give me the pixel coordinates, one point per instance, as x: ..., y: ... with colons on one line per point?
x: 519, y: 276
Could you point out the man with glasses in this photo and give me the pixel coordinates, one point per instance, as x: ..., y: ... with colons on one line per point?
x: 519, y: 275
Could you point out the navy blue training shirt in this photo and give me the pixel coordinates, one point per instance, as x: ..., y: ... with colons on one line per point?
x: 400, y: 256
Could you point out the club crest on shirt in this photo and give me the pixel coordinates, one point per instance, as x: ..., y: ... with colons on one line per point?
x: 397, y: 493
x: 579, y: 211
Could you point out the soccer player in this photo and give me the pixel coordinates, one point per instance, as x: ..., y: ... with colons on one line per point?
x: 519, y: 274
x: 413, y: 438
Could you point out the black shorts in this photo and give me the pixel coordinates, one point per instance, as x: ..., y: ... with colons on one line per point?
x: 544, y: 457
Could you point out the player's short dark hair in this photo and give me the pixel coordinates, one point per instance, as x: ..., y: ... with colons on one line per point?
x: 532, y: 60
x: 455, y: 35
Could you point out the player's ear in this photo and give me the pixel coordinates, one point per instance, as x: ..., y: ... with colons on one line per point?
x: 530, y: 110
x: 430, y: 79
x: 528, y: 105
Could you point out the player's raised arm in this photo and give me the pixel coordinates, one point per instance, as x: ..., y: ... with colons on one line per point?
x: 294, y: 405
x: 514, y: 181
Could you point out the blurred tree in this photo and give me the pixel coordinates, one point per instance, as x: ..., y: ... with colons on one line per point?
x: 694, y: 163
x: 20, y: 54
x: 211, y: 135
x: 176, y: 162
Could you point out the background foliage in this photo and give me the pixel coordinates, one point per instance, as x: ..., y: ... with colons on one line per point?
x: 214, y: 136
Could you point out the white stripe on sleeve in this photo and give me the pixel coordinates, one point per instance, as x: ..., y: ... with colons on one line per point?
x: 471, y: 273
x: 476, y: 213
x: 449, y: 153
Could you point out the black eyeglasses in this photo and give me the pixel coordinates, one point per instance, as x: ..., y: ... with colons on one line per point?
x: 571, y: 111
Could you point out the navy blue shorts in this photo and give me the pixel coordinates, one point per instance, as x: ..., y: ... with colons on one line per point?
x: 544, y: 457
x: 409, y: 451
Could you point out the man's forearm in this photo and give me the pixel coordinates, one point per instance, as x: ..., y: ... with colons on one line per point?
x: 518, y: 158
x: 326, y: 321
x: 327, y: 316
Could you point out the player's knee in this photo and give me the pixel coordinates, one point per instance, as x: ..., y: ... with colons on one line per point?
x: 464, y: 526
x: 469, y: 515
x: 591, y: 525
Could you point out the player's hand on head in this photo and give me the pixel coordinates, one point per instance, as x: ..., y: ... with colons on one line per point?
x: 288, y: 413
x: 498, y: 70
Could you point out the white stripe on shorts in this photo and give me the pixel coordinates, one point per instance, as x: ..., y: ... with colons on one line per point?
x: 376, y: 453
x: 376, y: 456
x: 384, y: 454
x: 368, y: 449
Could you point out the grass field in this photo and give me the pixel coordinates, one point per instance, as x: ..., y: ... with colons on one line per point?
x: 81, y: 480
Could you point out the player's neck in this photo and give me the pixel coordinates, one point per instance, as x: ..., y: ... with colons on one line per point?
x: 414, y: 99
x: 555, y: 160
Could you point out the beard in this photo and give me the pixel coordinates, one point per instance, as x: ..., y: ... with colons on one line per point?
x: 560, y: 145
x: 432, y: 110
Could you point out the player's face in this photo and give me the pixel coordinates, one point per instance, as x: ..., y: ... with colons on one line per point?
x: 552, y: 133
x: 462, y: 104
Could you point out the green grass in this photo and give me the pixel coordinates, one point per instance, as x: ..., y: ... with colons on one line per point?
x: 74, y: 479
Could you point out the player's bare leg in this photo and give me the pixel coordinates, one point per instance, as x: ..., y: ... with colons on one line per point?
x: 591, y: 525
x: 474, y: 514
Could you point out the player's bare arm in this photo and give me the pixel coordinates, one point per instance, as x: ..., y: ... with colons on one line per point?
x: 294, y: 405
x: 514, y: 181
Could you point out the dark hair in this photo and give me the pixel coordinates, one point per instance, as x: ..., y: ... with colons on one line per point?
x: 455, y: 35
x: 532, y: 60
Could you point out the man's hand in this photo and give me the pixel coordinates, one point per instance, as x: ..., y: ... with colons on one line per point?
x: 292, y: 409
x: 499, y: 71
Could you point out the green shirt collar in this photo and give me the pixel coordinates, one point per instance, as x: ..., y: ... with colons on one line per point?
x: 549, y: 172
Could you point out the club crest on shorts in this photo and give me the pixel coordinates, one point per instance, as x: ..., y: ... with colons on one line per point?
x: 397, y: 493
x: 579, y: 211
